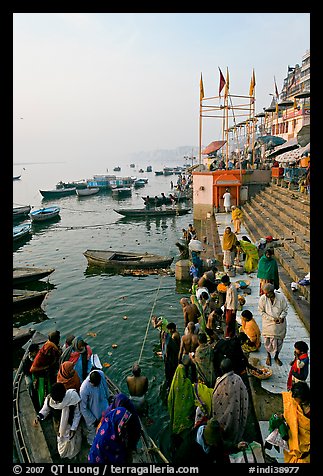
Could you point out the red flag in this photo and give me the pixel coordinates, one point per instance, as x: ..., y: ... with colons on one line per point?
x: 222, y: 82
x: 201, y: 88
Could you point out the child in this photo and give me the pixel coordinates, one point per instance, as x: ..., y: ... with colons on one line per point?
x: 300, y: 364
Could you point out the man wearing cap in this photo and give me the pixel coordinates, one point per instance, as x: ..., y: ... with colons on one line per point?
x: 137, y: 387
x: 273, y: 308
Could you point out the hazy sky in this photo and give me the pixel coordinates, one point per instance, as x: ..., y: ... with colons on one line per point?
x: 94, y: 85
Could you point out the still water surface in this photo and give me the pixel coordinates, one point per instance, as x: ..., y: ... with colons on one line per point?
x: 86, y: 301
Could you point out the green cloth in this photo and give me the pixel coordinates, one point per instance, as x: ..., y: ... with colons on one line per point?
x: 181, y: 401
x: 252, y: 256
x: 268, y: 269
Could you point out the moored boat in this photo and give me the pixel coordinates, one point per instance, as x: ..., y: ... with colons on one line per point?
x: 16, y: 177
x: 121, y: 191
x: 21, y: 231
x: 25, y: 299
x: 109, y: 259
x: 20, y: 212
x: 25, y: 274
x: 44, y: 214
x: 58, y: 192
x: 85, y: 192
x: 37, y: 443
x: 151, y: 212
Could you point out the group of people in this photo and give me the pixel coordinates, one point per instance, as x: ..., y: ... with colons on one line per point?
x: 206, y: 368
x: 68, y: 384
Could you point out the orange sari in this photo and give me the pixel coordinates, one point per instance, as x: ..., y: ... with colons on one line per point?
x: 299, y: 431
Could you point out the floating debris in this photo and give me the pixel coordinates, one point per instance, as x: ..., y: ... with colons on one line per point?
x: 106, y: 365
x: 92, y: 334
x: 125, y: 317
x: 114, y: 346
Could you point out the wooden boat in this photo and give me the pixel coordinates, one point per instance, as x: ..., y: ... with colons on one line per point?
x: 117, y: 169
x: 16, y: 177
x: 25, y: 299
x: 20, y: 212
x: 37, y: 443
x: 139, y: 183
x: 159, y: 172
x: 21, y: 231
x: 44, y: 214
x: 121, y: 191
x: 151, y: 212
x: 58, y: 192
x: 85, y: 192
x: 78, y: 184
x: 24, y: 274
x: 126, y: 260
x: 180, y: 198
x: 21, y: 335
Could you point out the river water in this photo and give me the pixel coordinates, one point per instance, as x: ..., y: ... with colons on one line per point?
x: 93, y: 304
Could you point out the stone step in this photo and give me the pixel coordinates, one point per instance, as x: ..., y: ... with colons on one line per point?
x: 301, y: 200
x: 290, y: 207
x: 292, y: 230
x: 295, y: 268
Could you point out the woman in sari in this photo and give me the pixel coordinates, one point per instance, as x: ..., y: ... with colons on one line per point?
x: 229, y: 242
x: 251, y: 252
x: 268, y: 270
x: 180, y: 402
x: 79, y: 353
x: 45, y: 366
x: 250, y: 327
x: 68, y: 376
x: 111, y: 442
x: 297, y: 416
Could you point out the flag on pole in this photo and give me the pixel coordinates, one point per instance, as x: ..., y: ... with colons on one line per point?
x: 222, y: 82
x: 201, y: 88
x: 252, y: 83
x: 276, y: 90
x: 226, y: 91
x: 276, y: 107
x: 292, y: 79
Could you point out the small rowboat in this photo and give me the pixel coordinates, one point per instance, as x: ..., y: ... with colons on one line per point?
x: 85, y: 192
x: 20, y: 212
x: 24, y: 274
x: 21, y: 231
x: 59, y: 192
x: 123, y: 260
x: 35, y: 444
x: 151, y: 212
x: 24, y: 299
x: 44, y: 214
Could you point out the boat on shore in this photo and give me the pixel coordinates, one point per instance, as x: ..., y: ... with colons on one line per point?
x: 16, y: 177
x: 25, y: 274
x: 44, y: 214
x: 151, y: 212
x: 24, y: 299
x: 85, y: 192
x: 120, y: 260
x: 37, y: 443
x: 182, y: 197
x: 21, y: 231
x: 58, y: 192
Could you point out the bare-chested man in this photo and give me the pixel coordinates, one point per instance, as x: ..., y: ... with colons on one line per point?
x: 191, y: 312
x: 189, y: 341
x: 137, y: 386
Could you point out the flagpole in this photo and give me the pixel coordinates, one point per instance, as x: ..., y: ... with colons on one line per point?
x: 200, y: 128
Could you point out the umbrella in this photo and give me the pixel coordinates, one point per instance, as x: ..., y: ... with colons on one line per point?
x: 260, y: 114
x: 303, y: 94
x: 274, y: 139
x: 286, y: 103
x: 213, y: 146
x: 270, y: 109
x: 304, y: 135
x: 289, y: 145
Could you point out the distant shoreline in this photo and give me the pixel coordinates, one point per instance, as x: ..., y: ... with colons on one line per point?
x: 39, y: 163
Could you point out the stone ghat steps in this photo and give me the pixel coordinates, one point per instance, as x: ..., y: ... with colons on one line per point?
x: 263, y: 216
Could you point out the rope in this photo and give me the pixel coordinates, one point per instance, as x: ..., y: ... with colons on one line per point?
x: 148, y: 323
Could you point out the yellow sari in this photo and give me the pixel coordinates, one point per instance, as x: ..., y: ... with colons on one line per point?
x: 252, y: 257
x: 299, y: 431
